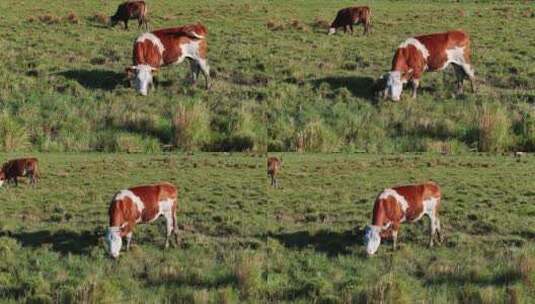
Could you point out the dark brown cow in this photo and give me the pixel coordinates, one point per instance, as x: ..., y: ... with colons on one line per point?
x: 141, y: 204
x: 131, y: 10
x: 349, y: 16
x: 169, y: 46
x: 273, y: 168
x: 399, y: 204
x: 432, y: 52
x: 22, y: 167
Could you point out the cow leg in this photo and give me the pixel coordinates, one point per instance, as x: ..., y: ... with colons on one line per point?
x: 351, y: 28
x: 415, y: 84
x: 126, y: 24
x: 394, y: 239
x: 15, y: 180
x: 205, y: 69
x: 439, y: 231
x: 175, y: 230
x: 469, y: 71
x: 195, y: 69
x: 169, y: 225
x: 459, y: 74
x: 432, y: 229
x: 128, y: 240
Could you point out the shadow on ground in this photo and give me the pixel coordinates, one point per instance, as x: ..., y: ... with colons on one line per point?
x: 329, y: 242
x: 95, y: 79
x: 362, y: 87
x: 61, y: 241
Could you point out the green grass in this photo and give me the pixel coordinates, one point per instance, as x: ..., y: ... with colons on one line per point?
x: 278, y: 79
x: 246, y: 242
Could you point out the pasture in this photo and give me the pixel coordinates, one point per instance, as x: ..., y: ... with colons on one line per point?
x: 280, y: 83
x: 245, y: 242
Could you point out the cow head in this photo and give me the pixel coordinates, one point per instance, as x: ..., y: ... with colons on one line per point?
x: 141, y: 76
x: 372, y: 238
x: 2, y: 177
x: 114, y: 241
x: 331, y: 31
x: 394, y: 85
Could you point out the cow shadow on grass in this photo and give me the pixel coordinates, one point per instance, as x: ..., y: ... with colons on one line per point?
x: 95, y: 79
x: 332, y: 243
x: 361, y: 87
x: 62, y: 241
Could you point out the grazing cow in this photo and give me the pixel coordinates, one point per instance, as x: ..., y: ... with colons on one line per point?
x: 22, y: 167
x: 273, y: 167
x: 169, y: 46
x: 131, y: 10
x: 352, y: 15
x: 432, y: 52
x: 141, y: 204
x: 399, y: 204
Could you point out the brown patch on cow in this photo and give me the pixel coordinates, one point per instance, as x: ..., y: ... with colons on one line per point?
x: 273, y: 167
x: 349, y: 16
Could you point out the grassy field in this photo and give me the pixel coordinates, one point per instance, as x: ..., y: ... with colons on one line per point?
x: 280, y: 82
x: 246, y: 242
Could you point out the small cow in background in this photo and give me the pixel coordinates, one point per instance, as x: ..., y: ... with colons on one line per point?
x: 349, y: 16
x: 131, y: 10
x: 169, y: 46
x: 22, y: 167
x: 273, y: 167
x: 399, y: 204
x: 141, y: 204
x: 432, y: 52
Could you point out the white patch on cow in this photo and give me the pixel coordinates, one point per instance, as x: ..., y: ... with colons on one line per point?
x: 114, y: 241
x: 143, y: 78
x: 456, y: 56
x: 189, y: 50
x: 400, y: 199
x: 135, y: 199
x: 418, y: 45
x: 430, y: 205
x: 394, y: 85
x: 372, y: 238
x: 154, y: 39
x: 1, y: 182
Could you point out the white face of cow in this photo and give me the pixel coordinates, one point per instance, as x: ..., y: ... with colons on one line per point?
x: 114, y: 241
x: 394, y: 85
x: 332, y: 30
x: 143, y: 78
x: 372, y: 239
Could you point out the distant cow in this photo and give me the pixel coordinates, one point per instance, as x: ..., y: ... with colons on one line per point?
x: 169, y: 46
x: 432, y: 52
x: 349, y: 16
x: 131, y: 10
x: 22, y: 167
x: 399, y: 204
x: 141, y: 204
x: 273, y: 167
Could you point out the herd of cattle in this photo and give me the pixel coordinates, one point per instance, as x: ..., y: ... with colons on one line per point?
x: 146, y: 203
x: 416, y: 55
x: 152, y: 50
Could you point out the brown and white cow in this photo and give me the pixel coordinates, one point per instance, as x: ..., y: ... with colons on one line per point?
x: 131, y: 10
x: 394, y: 206
x: 22, y: 167
x: 432, y: 52
x: 141, y: 204
x: 169, y: 46
x: 347, y: 17
x: 273, y: 167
